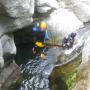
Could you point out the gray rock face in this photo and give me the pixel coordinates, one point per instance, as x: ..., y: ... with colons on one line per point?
x: 82, y: 9
x: 1, y: 56
x: 15, y: 14
x: 43, y: 6
x: 18, y: 14
x: 7, y: 48
x: 60, y: 25
x: 8, y: 45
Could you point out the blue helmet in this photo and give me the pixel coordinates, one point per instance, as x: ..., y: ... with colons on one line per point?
x: 35, y: 28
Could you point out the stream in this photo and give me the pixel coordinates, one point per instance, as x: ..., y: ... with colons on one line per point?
x: 36, y: 73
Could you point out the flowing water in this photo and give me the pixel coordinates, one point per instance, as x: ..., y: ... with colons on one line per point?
x: 36, y: 73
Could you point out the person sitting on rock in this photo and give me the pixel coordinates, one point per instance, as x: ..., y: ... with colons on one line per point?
x: 69, y: 41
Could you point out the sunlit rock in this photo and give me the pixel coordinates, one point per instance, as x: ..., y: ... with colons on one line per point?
x: 86, y: 50
x: 66, y: 2
x: 61, y: 23
x: 61, y: 4
x: 1, y: 56
x: 8, y: 46
x: 7, y: 49
x: 82, y: 9
x: 83, y: 77
x: 44, y: 6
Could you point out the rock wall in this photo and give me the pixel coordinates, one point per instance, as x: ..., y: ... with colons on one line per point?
x: 61, y: 23
x: 9, y: 76
x: 81, y: 8
x: 64, y: 17
x: 15, y: 14
x: 83, y: 77
x: 7, y: 48
x: 67, y: 15
x: 18, y: 14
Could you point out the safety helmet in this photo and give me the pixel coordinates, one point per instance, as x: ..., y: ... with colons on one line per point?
x: 42, y: 25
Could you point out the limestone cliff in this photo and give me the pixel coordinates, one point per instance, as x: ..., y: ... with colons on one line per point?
x: 62, y: 17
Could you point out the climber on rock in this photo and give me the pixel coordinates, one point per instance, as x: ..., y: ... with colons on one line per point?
x: 39, y: 36
x: 64, y: 42
x: 68, y: 42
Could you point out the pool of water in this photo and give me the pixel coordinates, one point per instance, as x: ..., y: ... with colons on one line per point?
x: 45, y: 74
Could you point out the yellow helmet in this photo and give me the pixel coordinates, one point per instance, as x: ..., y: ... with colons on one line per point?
x: 42, y: 25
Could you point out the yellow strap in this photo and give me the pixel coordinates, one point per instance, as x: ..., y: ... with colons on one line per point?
x: 39, y: 44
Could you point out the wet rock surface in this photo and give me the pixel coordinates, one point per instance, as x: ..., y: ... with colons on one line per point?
x: 53, y: 72
x: 83, y: 78
x: 9, y: 75
x: 64, y: 76
x: 9, y: 70
x: 17, y: 14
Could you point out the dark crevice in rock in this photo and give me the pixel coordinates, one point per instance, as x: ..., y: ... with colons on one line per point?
x: 42, y: 16
x: 23, y: 35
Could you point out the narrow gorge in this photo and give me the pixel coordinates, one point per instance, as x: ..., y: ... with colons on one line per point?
x: 61, y: 69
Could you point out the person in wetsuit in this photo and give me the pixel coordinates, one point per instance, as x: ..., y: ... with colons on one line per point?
x: 39, y: 36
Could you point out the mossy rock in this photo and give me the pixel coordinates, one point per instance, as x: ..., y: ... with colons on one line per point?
x: 16, y: 85
x: 64, y: 77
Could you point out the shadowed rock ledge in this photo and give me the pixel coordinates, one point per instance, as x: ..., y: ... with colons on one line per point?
x: 9, y: 75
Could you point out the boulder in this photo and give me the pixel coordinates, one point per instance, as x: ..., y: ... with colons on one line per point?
x: 8, y: 45
x: 1, y: 56
x: 81, y: 8
x: 83, y: 78
x: 61, y: 23
x: 7, y: 48
x: 86, y: 50
x: 63, y: 76
x: 9, y: 76
x: 43, y: 6
x: 15, y: 14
